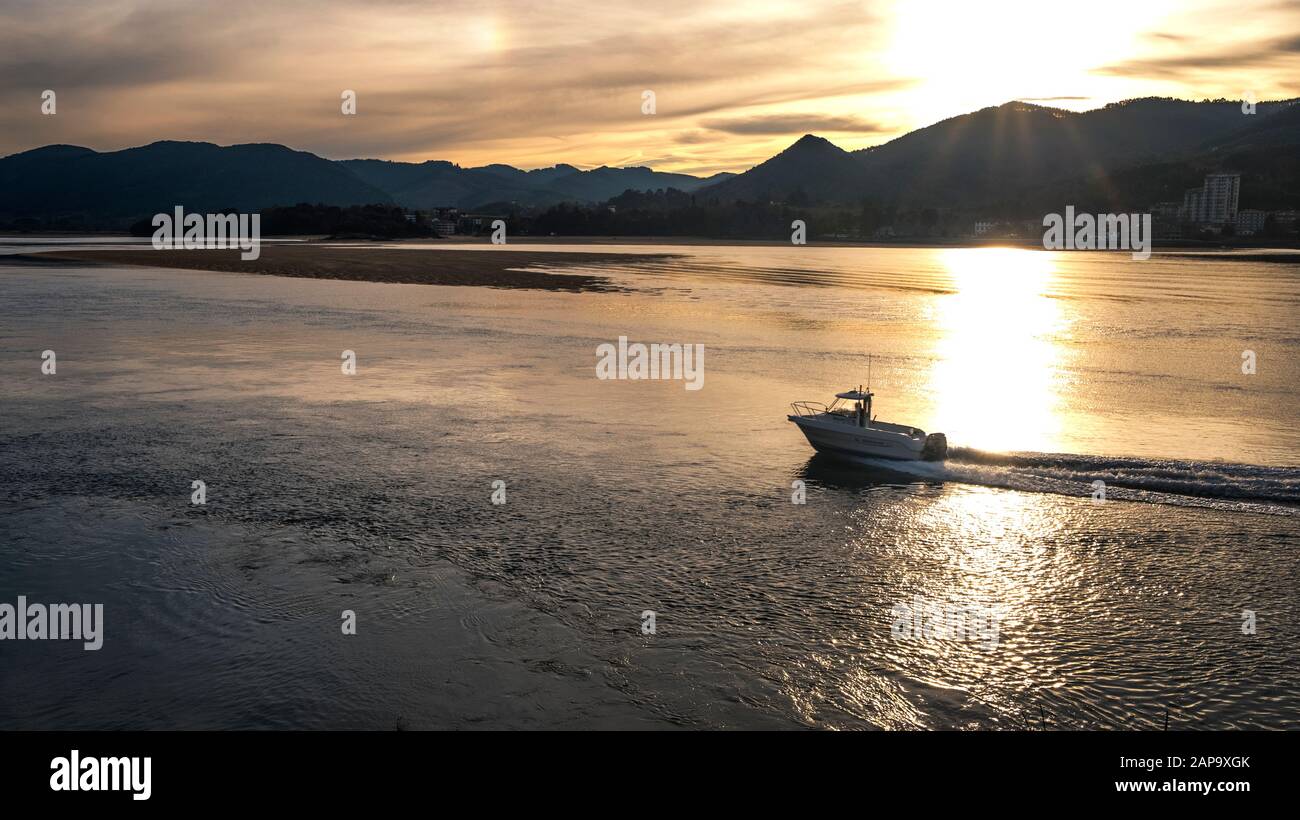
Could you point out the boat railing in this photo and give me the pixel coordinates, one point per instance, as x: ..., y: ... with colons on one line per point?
x: 808, y: 408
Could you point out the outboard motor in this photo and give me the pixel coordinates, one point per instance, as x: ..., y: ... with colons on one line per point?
x: 936, y: 447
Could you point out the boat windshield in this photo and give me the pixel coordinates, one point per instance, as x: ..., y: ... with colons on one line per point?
x: 843, y: 407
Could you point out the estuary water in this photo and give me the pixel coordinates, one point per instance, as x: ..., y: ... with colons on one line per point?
x: 1175, y: 381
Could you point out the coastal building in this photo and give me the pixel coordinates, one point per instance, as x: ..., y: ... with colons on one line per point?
x: 1214, y: 204
x: 444, y: 221
x: 1222, y: 192
x: 1250, y: 222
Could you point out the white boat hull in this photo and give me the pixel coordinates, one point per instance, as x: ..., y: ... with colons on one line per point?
x: 844, y: 439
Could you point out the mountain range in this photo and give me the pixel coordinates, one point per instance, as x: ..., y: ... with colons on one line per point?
x: 437, y: 182
x: 999, y: 157
x: 1002, y: 159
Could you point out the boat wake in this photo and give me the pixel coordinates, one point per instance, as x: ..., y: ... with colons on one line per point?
x: 1246, y: 487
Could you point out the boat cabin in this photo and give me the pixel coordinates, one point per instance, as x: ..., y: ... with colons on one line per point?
x: 854, y: 405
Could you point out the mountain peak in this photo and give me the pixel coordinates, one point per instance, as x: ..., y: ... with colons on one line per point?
x: 813, y: 166
x: 811, y: 145
x: 811, y: 141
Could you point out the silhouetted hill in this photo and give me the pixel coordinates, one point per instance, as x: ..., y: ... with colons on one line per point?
x: 115, y: 189
x: 987, y: 156
x: 1277, y: 129
x: 603, y: 183
x: 435, y: 183
x: 119, y: 187
x: 812, y: 168
x: 1263, y: 148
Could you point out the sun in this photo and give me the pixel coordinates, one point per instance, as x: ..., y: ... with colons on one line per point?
x: 969, y: 56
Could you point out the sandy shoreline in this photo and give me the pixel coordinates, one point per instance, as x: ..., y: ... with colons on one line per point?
x: 480, y: 267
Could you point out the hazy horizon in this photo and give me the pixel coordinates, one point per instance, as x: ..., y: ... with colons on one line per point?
x: 476, y: 84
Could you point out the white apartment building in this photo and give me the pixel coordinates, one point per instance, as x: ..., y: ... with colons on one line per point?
x: 1215, y: 202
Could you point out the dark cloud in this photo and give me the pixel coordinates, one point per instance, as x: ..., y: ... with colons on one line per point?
x: 1188, y: 64
x: 694, y: 138
x: 793, y: 124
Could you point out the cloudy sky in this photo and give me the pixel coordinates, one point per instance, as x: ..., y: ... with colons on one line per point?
x: 536, y: 83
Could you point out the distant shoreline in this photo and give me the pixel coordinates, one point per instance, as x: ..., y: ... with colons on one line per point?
x: 481, y: 268
x: 1274, y: 249
x: 1189, y: 245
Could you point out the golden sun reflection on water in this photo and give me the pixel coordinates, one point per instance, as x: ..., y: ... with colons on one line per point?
x: 980, y: 551
x: 995, y: 383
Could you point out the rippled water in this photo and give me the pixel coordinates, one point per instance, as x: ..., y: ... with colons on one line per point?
x: 372, y: 493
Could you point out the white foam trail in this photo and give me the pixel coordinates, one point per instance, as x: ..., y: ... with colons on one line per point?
x: 1241, y: 487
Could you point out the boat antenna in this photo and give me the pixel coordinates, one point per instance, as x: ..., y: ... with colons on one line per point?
x: 868, y: 371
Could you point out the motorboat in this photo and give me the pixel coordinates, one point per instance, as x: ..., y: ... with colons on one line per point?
x: 847, y: 428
